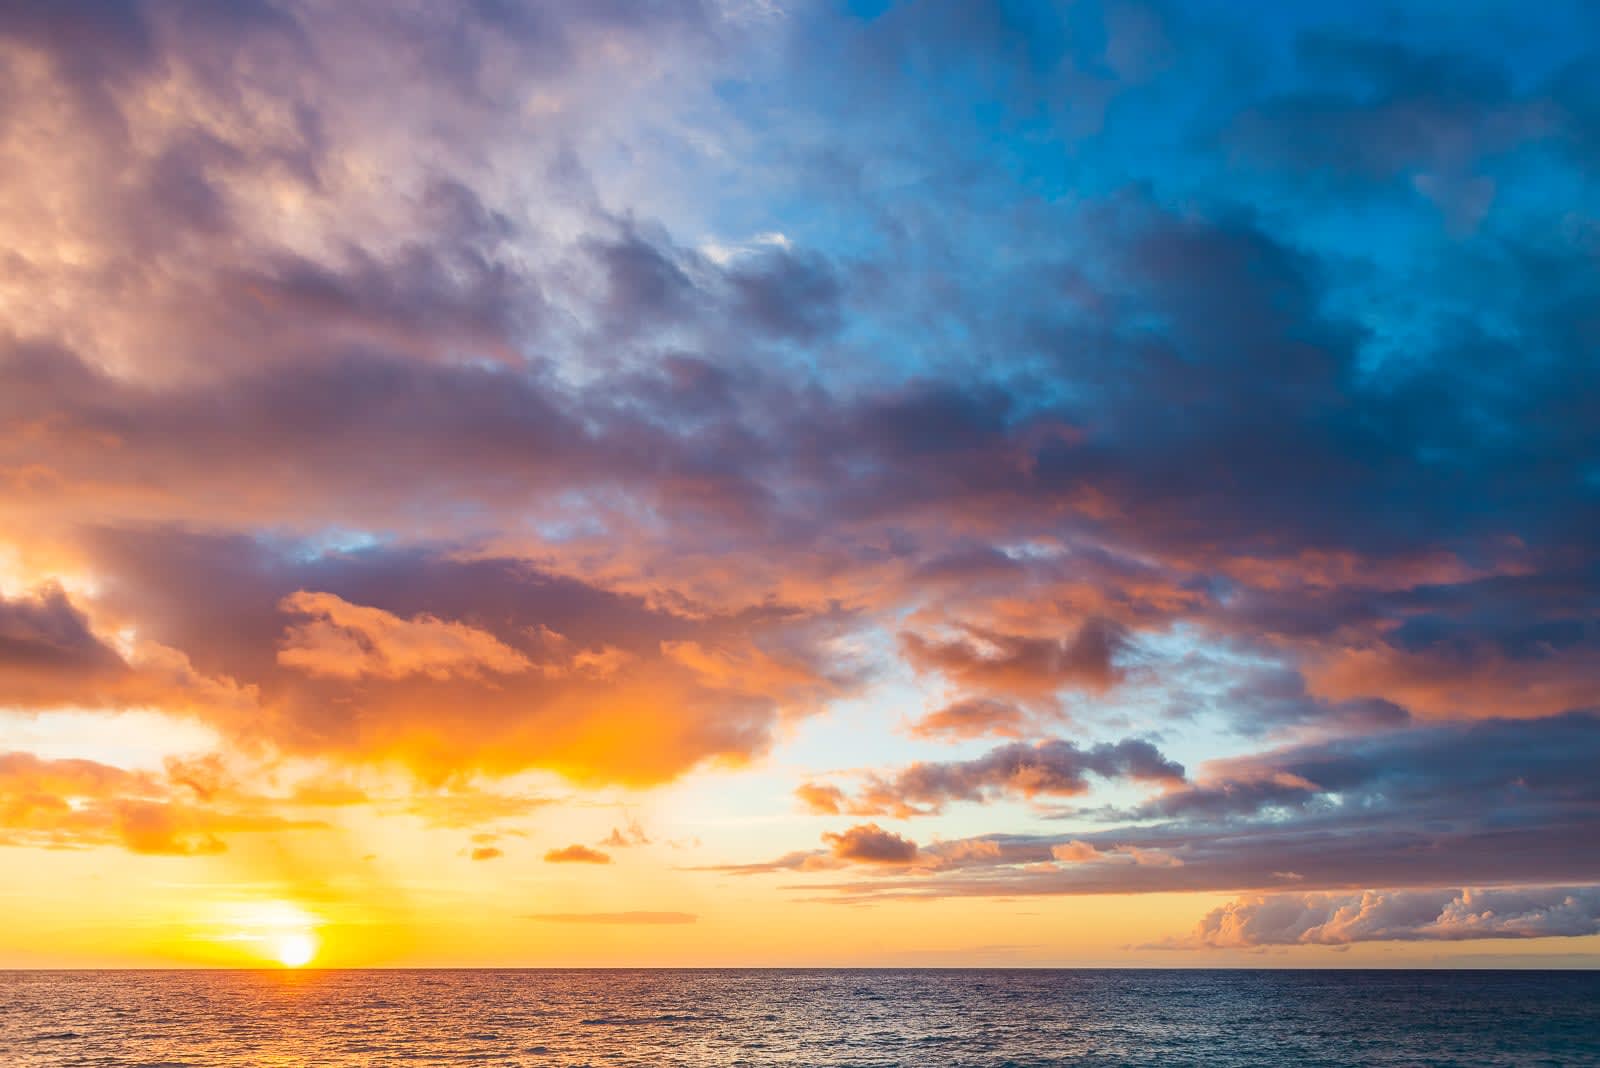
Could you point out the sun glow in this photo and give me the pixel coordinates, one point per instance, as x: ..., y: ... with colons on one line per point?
x: 277, y: 931
x: 295, y: 950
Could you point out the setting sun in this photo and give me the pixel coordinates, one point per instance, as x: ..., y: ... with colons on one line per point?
x: 275, y: 930
x: 295, y: 950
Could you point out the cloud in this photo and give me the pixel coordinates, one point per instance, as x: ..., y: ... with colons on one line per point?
x: 1075, y: 850
x: 790, y: 294
x: 350, y: 641
x: 868, y: 843
x: 486, y: 853
x: 822, y: 799
x: 1400, y: 916
x: 1051, y: 768
x: 576, y: 854
x: 972, y: 718
x: 1153, y: 858
x: 1478, y: 802
x: 1460, y: 768
x: 1079, y: 852
x: 619, y: 838
x: 1466, y: 678
x: 1399, y: 111
x: 1021, y: 665
x: 399, y: 677
x: 990, y: 864
x: 72, y: 803
x: 52, y: 657
x: 624, y: 918
x: 45, y: 634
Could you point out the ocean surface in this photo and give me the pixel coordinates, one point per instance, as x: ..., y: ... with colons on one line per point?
x: 858, y: 1018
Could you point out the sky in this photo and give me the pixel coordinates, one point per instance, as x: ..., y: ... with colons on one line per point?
x: 757, y: 482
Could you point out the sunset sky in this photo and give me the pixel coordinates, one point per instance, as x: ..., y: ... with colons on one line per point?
x: 758, y: 482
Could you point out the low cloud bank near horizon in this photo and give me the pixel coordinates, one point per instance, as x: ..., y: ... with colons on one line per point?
x: 1397, y: 916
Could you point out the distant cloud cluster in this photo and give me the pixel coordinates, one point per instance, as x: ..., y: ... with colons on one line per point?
x: 1400, y: 915
x: 1051, y: 768
x: 1414, y: 807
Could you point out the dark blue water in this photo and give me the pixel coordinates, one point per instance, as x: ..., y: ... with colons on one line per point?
x: 858, y: 1018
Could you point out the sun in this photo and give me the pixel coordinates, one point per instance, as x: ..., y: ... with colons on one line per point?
x: 272, y: 930
x: 294, y: 949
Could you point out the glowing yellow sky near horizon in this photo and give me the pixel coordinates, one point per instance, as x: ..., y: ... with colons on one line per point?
x: 386, y: 883
x: 151, y: 924
x: 419, y: 900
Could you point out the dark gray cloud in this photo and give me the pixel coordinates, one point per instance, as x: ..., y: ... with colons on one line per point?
x: 1459, y: 771
x: 1053, y: 768
x: 45, y: 635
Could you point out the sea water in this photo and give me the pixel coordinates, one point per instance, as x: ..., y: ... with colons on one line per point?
x: 821, y: 1017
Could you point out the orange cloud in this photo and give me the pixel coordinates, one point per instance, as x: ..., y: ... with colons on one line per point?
x: 1025, y: 666
x: 1478, y: 683
x: 823, y: 799
x: 576, y: 854
x: 1077, y: 852
x: 456, y: 667
x: 350, y: 641
x: 83, y: 803
x: 869, y: 843
x: 1074, y: 850
x: 972, y: 718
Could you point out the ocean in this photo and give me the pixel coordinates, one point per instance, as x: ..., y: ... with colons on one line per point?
x: 806, y: 1017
